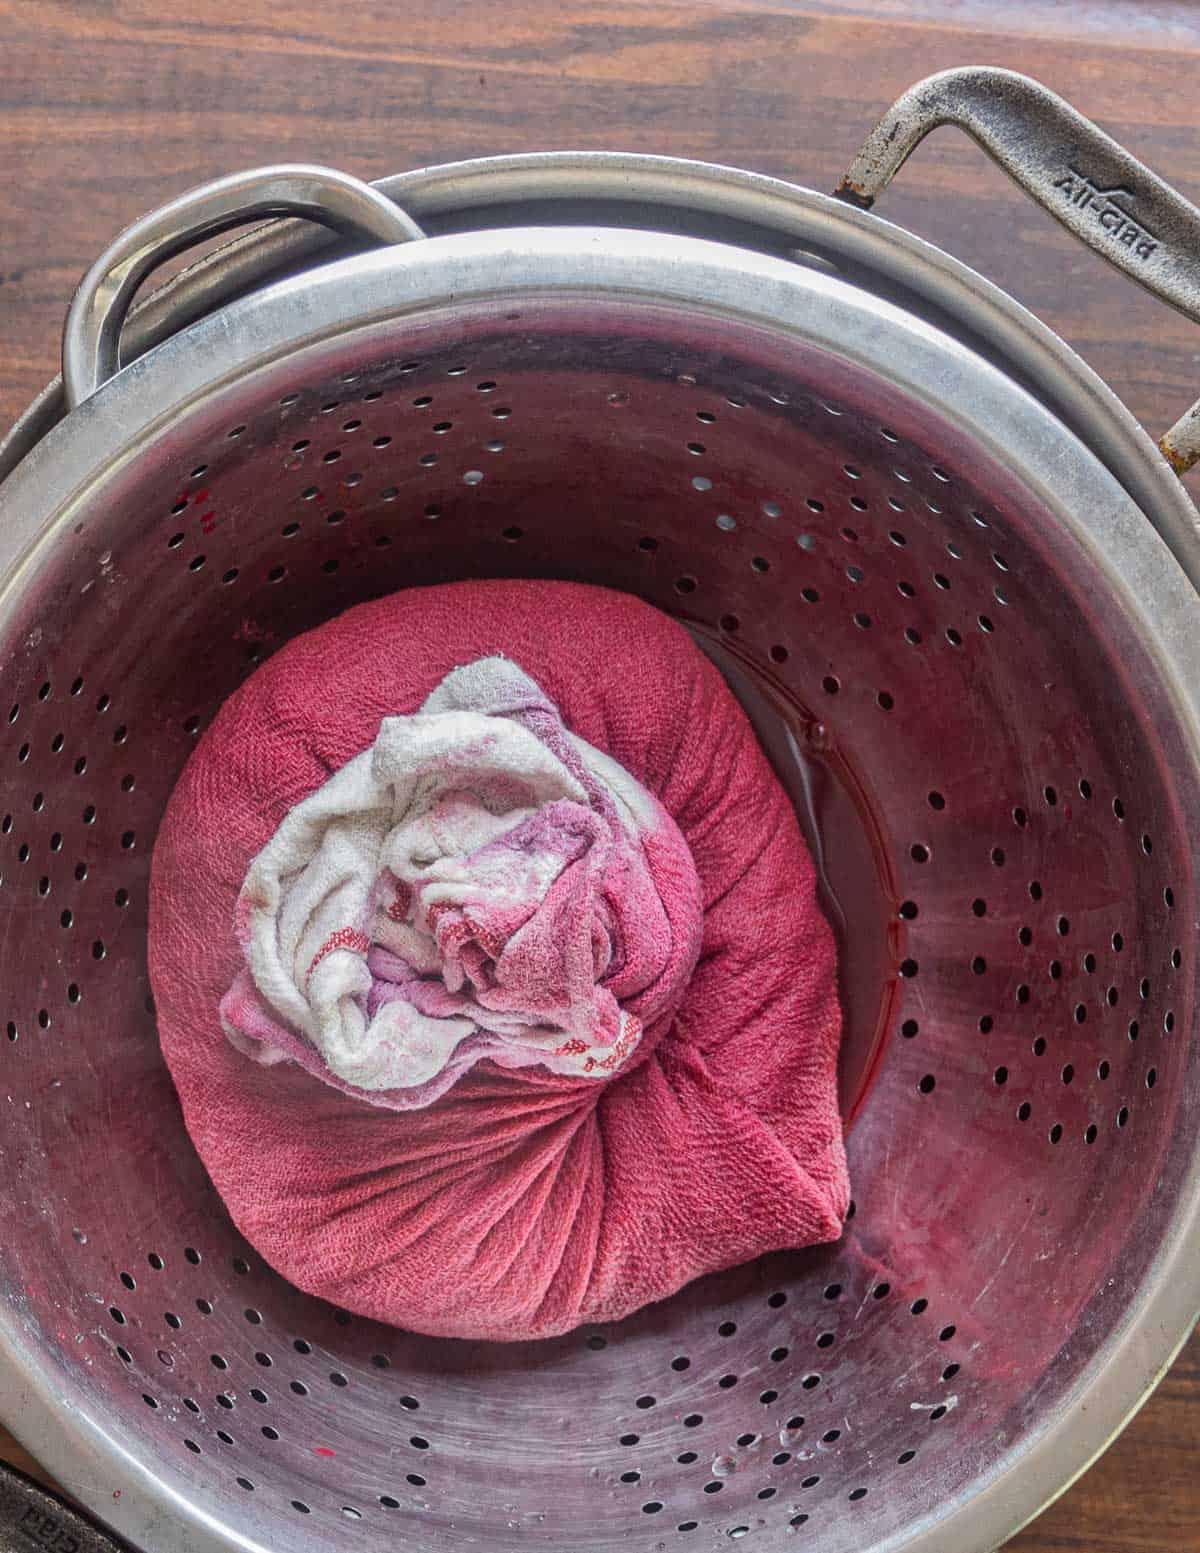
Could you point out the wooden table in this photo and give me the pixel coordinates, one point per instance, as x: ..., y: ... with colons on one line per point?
x: 105, y: 111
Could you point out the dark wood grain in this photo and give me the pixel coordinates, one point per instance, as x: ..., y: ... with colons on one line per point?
x: 108, y: 109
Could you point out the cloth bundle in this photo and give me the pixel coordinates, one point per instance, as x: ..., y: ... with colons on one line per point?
x: 475, y: 885
x: 489, y: 968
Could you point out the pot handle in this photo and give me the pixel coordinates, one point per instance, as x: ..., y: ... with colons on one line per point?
x: 92, y: 334
x: 33, y: 1519
x: 1092, y: 185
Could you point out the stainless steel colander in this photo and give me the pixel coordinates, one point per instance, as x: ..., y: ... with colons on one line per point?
x: 953, y: 583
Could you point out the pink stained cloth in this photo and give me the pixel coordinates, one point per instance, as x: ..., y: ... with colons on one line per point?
x: 518, y: 1202
x: 478, y: 884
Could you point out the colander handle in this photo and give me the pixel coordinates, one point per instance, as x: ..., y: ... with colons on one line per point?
x: 92, y: 335
x: 1092, y: 185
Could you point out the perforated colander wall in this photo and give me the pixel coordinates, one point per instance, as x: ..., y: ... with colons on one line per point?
x: 886, y: 586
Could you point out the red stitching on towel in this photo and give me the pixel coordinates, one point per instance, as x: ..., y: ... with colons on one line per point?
x: 344, y: 938
x: 630, y: 1035
x: 452, y: 937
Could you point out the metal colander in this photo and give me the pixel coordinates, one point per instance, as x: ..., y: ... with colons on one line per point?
x: 934, y: 558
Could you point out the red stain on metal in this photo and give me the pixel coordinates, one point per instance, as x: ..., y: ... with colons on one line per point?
x: 208, y: 521
x: 323, y: 1450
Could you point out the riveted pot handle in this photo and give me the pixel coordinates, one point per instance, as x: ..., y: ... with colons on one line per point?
x: 91, y: 337
x: 1095, y: 188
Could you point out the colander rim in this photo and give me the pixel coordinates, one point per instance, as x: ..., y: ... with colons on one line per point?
x: 934, y: 283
